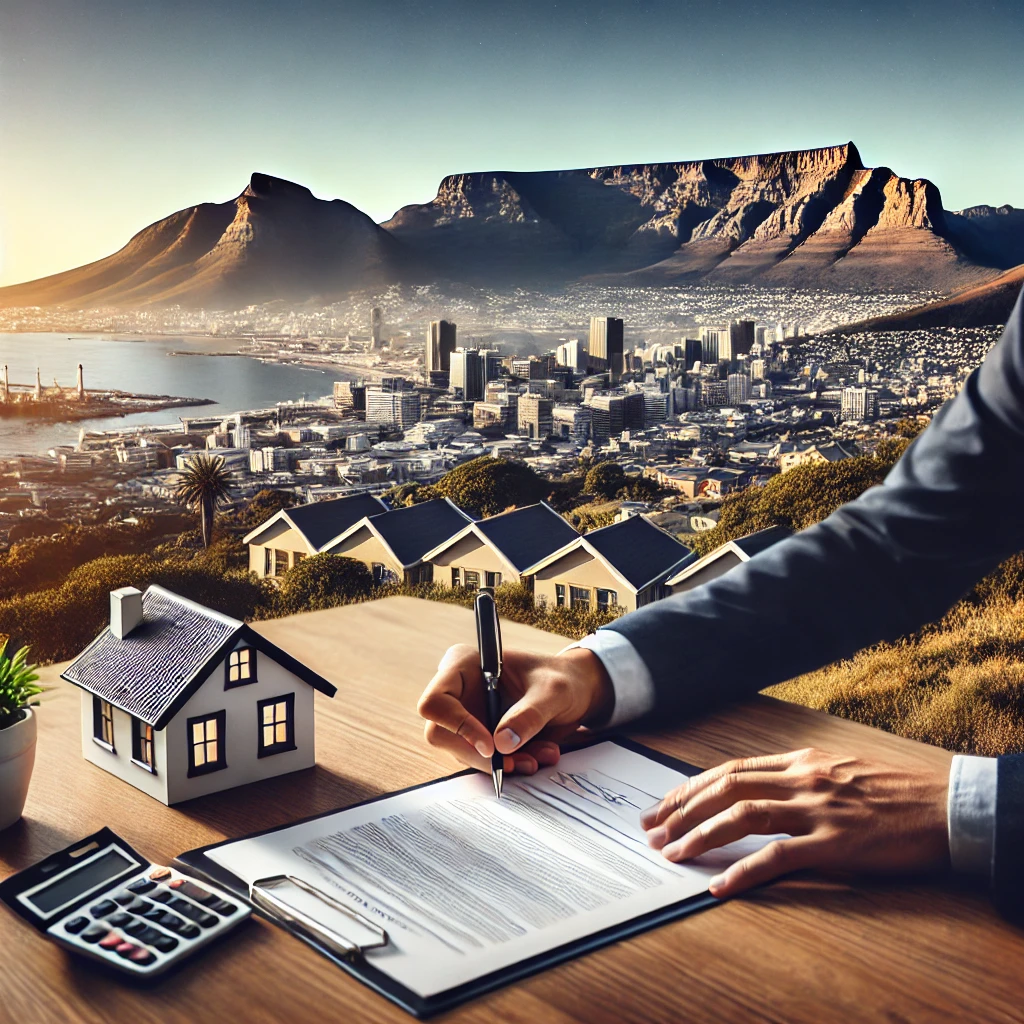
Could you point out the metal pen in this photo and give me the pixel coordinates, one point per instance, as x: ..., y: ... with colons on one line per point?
x: 488, y: 638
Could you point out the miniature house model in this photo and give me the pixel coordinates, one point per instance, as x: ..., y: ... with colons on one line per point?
x: 181, y: 701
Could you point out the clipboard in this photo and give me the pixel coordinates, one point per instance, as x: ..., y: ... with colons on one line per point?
x: 348, y: 954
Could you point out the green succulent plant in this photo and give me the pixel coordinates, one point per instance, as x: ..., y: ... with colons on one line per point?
x: 17, y: 684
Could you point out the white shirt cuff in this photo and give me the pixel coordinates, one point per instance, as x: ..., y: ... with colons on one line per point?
x: 632, y: 684
x: 971, y: 813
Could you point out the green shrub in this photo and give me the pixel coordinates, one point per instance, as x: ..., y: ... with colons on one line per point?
x: 323, y: 581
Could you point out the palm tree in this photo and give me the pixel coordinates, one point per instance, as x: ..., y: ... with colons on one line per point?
x: 205, y: 484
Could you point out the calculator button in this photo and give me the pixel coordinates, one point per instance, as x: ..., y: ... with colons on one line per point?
x: 176, y: 883
x: 159, y: 874
x: 76, y: 924
x: 102, y: 908
x: 119, y: 919
x: 188, y: 931
x: 190, y: 910
x: 111, y: 940
x: 222, y: 907
x: 136, y: 927
x: 169, y: 920
x: 141, y: 885
x: 195, y: 892
x: 165, y: 943
x: 95, y: 933
x: 138, y: 906
x: 149, y: 935
x: 154, y: 914
x: 126, y: 948
x: 124, y: 897
x: 141, y: 956
x: 162, y: 895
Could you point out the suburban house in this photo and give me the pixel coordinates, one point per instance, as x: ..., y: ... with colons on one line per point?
x: 831, y: 451
x: 393, y: 545
x: 180, y: 701
x: 622, y: 565
x: 294, y: 533
x: 499, y: 549
x: 696, y: 569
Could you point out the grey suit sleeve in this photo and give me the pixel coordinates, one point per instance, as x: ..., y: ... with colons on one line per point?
x: 879, y: 567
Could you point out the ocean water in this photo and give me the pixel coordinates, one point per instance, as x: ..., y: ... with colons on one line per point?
x: 146, y: 367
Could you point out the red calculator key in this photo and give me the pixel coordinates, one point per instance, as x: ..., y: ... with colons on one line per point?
x: 141, y: 956
x: 176, y: 883
x: 111, y: 941
x: 126, y: 949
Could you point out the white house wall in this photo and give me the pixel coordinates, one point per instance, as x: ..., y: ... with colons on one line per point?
x: 240, y: 733
x: 119, y: 761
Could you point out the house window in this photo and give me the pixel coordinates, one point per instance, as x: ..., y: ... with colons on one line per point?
x: 142, y: 744
x: 276, y: 722
x: 456, y: 578
x: 206, y: 743
x: 379, y: 572
x: 472, y: 580
x: 607, y: 599
x: 103, y: 722
x: 299, y: 556
x: 280, y: 562
x: 560, y: 595
x: 579, y: 597
x: 425, y: 573
x: 240, y: 668
x: 268, y: 562
x: 493, y: 579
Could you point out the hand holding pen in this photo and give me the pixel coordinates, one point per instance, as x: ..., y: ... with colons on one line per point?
x: 488, y: 641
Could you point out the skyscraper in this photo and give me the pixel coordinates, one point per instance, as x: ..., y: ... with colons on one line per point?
x: 716, y: 344
x: 572, y: 354
x: 606, y: 336
x: 741, y: 337
x: 694, y: 352
x: 440, y: 346
x: 535, y: 416
x: 467, y: 374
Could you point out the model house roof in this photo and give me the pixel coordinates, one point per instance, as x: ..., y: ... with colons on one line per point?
x: 744, y: 548
x: 321, y: 521
x: 153, y: 671
x: 409, y: 533
x: 636, y: 550
x: 522, y: 536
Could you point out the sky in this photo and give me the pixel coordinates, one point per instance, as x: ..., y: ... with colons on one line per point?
x: 116, y: 114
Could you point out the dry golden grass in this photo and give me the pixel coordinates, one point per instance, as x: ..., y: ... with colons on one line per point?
x: 958, y: 684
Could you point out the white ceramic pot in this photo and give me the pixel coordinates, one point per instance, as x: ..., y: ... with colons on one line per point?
x: 17, y: 756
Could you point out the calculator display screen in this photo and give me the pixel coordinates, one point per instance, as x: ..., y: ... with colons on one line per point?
x: 84, y: 879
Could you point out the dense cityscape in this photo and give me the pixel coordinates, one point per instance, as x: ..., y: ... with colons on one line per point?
x: 703, y: 402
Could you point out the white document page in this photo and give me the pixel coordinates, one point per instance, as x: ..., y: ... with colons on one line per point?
x: 466, y: 884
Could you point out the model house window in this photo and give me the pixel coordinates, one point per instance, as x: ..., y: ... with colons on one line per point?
x: 472, y: 580
x: 493, y: 579
x: 456, y: 578
x: 607, y: 599
x: 268, y: 562
x: 241, y: 667
x: 206, y: 743
x: 142, y: 744
x: 560, y: 595
x: 579, y: 597
x: 103, y: 721
x: 276, y: 717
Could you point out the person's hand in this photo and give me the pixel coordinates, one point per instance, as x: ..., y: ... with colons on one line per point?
x: 842, y: 813
x: 550, y: 697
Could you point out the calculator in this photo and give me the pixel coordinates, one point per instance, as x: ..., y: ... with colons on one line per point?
x: 103, y: 900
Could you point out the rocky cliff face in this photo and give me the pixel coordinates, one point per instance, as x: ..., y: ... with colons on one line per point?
x: 813, y: 217
x: 275, y: 240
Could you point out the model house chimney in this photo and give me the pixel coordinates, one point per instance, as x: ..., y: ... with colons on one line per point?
x: 125, y: 611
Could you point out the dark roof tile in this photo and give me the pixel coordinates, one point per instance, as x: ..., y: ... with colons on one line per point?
x: 322, y: 521
x: 411, y: 532
x: 526, y: 535
x: 637, y: 549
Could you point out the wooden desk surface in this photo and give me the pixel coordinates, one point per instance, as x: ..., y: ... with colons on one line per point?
x: 800, y: 950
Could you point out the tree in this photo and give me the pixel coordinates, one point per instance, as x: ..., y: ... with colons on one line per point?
x: 488, y: 485
x: 639, y: 488
x: 262, y: 506
x: 205, y: 484
x: 604, y: 480
x: 323, y: 581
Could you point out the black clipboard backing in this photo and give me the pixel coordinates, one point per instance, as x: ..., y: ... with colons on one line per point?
x: 197, y: 863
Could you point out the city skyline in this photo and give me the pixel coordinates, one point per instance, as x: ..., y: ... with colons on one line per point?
x: 112, y: 117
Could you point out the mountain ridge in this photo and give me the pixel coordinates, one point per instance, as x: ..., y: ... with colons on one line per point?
x: 796, y: 218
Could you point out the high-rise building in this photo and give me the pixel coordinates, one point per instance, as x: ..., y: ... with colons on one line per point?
x: 605, y: 347
x: 693, y: 352
x: 716, y: 344
x: 393, y: 383
x: 714, y: 393
x: 502, y: 414
x: 440, y: 346
x: 349, y: 396
x: 492, y: 364
x: 757, y: 369
x: 858, y: 404
x: 613, y: 413
x: 571, y: 423
x: 572, y: 354
x: 535, y: 416
x: 467, y: 374
x: 529, y: 367
x: 393, y: 409
x: 741, y: 337
x: 376, y: 326
x: 738, y: 388
x: 656, y: 406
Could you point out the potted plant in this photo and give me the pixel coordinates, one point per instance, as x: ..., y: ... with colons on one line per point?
x: 17, y: 731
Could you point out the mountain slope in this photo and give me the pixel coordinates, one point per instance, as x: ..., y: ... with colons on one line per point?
x: 982, y: 305
x: 274, y: 241
x: 813, y: 217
